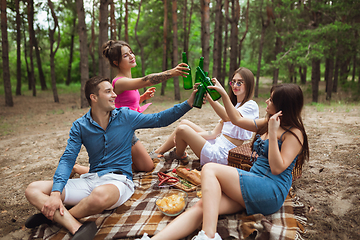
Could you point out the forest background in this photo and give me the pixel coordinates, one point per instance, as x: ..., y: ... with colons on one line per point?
x: 57, y: 44
x: 50, y: 48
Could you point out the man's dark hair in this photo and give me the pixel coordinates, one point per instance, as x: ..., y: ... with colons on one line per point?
x: 92, y: 86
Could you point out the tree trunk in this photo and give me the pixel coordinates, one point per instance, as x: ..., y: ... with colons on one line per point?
x: 336, y: 74
x: 175, y: 48
x: 277, y: 50
x: 92, y: 43
x: 205, y: 32
x: 302, y: 73
x: 5, y: 56
x: 187, y: 36
x: 39, y: 64
x: 126, y: 20
x: 217, y: 41
x: 315, y: 79
x: 291, y: 69
x: 344, y: 70
x: 140, y: 45
x: 18, y: 48
x: 164, y: 57
x: 234, y: 21
x: 354, y: 68
x: 113, y: 34
x: 104, y: 67
x: 68, y: 79
x: 26, y: 60
x: 185, y: 43
x: 52, y: 51
x: 112, y: 21
x: 120, y: 20
x: 246, y: 31
x: 262, y: 40
x: 329, y: 81
x: 223, y: 70
x: 31, y: 35
x: 84, y: 67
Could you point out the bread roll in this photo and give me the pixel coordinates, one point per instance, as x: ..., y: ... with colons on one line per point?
x: 192, y: 176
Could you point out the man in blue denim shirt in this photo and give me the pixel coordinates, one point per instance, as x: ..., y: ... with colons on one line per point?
x: 106, y: 133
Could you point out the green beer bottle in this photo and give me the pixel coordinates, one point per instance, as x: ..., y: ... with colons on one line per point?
x: 201, y: 65
x: 206, y: 81
x: 187, y: 81
x: 199, y: 97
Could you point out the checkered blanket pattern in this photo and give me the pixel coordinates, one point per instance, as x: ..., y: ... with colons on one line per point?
x: 139, y: 215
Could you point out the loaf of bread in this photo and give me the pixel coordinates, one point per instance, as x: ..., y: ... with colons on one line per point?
x: 193, y: 176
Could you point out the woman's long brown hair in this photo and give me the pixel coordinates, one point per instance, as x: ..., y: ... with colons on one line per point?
x: 289, y: 99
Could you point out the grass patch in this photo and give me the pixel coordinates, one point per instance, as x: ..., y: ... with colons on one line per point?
x: 5, y: 128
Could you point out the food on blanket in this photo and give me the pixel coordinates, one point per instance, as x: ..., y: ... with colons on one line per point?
x: 172, y: 203
x: 181, y: 178
x: 198, y: 191
x: 193, y: 176
x: 163, y: 177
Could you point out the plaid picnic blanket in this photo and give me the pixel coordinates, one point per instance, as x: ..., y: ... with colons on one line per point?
x: 139, y: 215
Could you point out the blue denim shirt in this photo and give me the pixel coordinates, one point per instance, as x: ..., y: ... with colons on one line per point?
x: 110, y: 150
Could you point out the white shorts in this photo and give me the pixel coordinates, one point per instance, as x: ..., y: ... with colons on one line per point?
x: 79, y: 188
x: 216, y: 150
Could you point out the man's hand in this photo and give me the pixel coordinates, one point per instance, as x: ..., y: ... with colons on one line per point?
x: 52, y: 204
x: 192, y: 98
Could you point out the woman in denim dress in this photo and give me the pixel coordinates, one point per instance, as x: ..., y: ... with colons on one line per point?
x: 281, y: 143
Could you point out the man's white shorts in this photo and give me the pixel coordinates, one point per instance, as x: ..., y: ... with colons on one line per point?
x: 79, y: 188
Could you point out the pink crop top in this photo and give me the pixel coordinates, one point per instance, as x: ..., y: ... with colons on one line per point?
x: 129, y: 98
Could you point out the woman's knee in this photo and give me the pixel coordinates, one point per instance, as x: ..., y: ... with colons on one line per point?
x: 185, y: 122
x: 209, y: 168
x: 198, y: 207
x: 182, y: 129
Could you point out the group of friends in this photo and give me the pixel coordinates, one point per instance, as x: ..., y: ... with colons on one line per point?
x: 107, y: 132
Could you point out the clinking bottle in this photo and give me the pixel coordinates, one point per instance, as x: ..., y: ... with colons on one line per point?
x: 206, y: 81
x: 199, y: 97
x: 201, y: 65
x: 187, y: 81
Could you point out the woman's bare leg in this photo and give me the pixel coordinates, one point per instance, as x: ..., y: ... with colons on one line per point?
x: 219, y: 185
x: 169, y: 144
x: 184, y: 136
x: 213, y: 204
x: 183, y: 225
x: 80, y: 169
x: 141, y: 159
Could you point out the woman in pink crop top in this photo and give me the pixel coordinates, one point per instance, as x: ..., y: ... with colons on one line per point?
x: 213, y: 146
x: 122, y: 58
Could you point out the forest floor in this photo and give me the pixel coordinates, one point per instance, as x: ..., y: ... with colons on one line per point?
x: 33, y: 136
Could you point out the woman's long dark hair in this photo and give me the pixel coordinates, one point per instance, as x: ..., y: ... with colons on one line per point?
x: 112, y: 51
x: 289, y: 99
x: 248, y: 78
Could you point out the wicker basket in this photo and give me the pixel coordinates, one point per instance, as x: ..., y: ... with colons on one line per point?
x: 240, y: 156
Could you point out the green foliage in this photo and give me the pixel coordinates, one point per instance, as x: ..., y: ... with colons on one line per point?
x: 307, y: 31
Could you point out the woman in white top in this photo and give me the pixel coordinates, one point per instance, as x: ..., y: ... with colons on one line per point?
x: 214, y: 146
